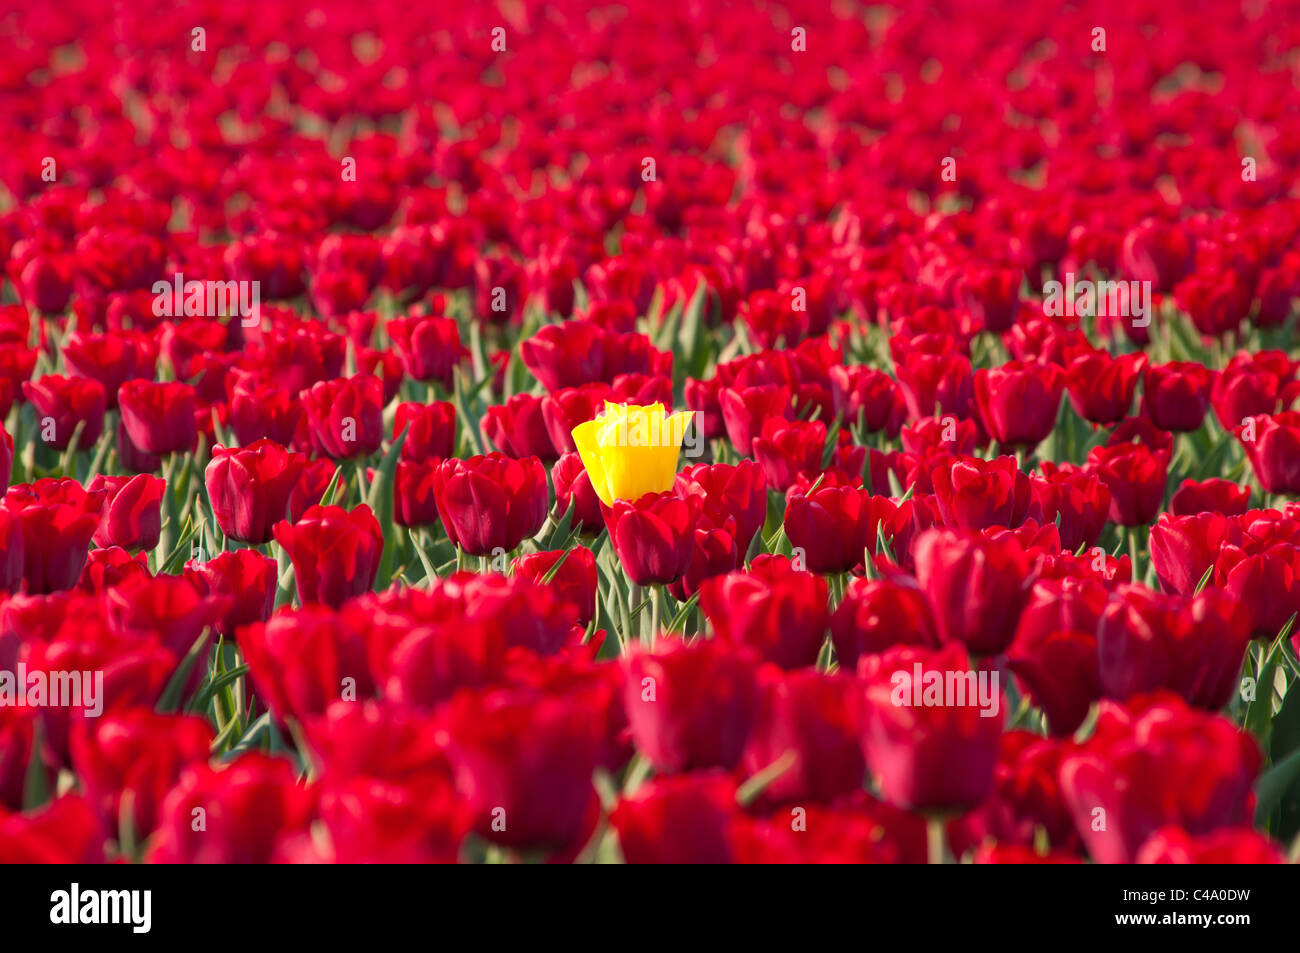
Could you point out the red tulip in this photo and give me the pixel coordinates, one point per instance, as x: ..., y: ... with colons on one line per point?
x: 690, y: 705
x: 814, y: 717
x: 490, y: 503
x: 246, y: 578
x: 335, y: 553
x: 1177, y: 395
x: 249, y: 807
x: 653, y: 536
x: 1272, y: 443
x: 58, y: 519
x: 936, y: 755
x: 61, y: 403
x: 134, y: 757
x: 678, y: 820
x: 574, y: 580
x: 430, y: 430
x: 345, y: 416
x: 974, y: 494
x: 250, y: 487
x: 1153, y: 763
x: 976, y: 587
x: 159, y: 418
x: 132, y: 513
x: 878, y: 614
x: 302, y: 661
x: 1018, y: 402
x: 524, y: 762
x: 573, y: 489
x: 429, y: 348
x: 1136, y: 478
x: 1102, y: 387
x: 773, y: 608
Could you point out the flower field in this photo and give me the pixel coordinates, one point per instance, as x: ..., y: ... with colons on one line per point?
x: 736, y: 432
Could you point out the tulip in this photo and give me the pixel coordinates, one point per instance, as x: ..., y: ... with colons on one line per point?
x: 1153, y: 763
x: 258, y: 799
x: 58, y: 519
x: 1077, y: 502
x: 630, y: 450
x: 1272, y: 443
x: 246, y: 578
x: 259, y: 409
x: 301, y: 661
x: 573, y: 489
x: 744, y: 410
x: 974, y: 494
x: 1210, y: 496
x: 773, y: 608
x: 1173, y: 845
x: 1101, y: 387
x: 1018, y: 401
x: 691, y: 705
x: 65, y: 831
x: 786, y: 448
x: 1025, y: 804
x: 875, y: 615
x: 565, y: 355
x: 1184, y: 547
x: 1159, y: 252
x: 925, y: 757
x: 249, y: 488
x: 653, y: 536
x: 726, y: 491
x: 976, y: 587
x: 524, y: 763
x: 345, y: 416
x: 685, y: 819
x: 159, y: 418
x: 429, y: 348
x: 490, y: 503
x: 1177, y: 395
x: 866, y: 394
x: 430, y: 430
x: 814, y: 717
x: 61, y: 404
x: 574, y: 581
x: 714, y: 552
x: 134, y: 757
x: 518, y: 428
x: 1135, y: 476
x: 132, y: 513
x: 1058, y: 668
x: 335, y: 553
x: 830, y: 526
x: 1265, y: 585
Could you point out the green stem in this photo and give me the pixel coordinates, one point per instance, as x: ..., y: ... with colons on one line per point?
x: 936, y: 841
x: 656, y: 598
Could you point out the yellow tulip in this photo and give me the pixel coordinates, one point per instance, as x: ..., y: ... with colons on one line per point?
x: 630, y: 451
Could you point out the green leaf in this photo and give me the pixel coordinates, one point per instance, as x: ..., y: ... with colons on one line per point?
x: 171, y: 696
x: 678, y: 624
x: 380, y: 501
x: 215, y: 684
x: 465, y: 417
x: 752, y: 788
x: 1273, y: 785
x: 832, y: 440
x: 36, y: 784
x: 1260, y: 712
x: 550, y: 573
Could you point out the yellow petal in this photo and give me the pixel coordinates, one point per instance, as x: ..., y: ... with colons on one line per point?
x: 586, y: 437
